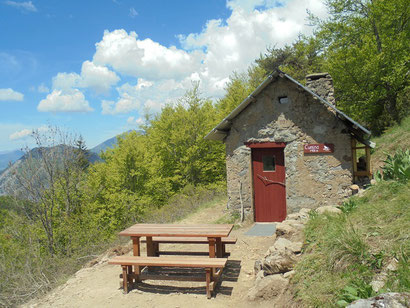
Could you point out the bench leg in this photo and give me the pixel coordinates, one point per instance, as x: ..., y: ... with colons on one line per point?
x: 136, y: 252
x: 125, y: 278
x: 208, y: 282
x: 129, y: 270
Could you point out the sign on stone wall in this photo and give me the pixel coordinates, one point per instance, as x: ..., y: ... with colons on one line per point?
x: 318, y: 148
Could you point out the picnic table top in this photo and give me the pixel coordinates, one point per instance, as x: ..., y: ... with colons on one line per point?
x: 181, y: 230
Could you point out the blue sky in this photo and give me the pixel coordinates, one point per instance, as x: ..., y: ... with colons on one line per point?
x: 95, y: 67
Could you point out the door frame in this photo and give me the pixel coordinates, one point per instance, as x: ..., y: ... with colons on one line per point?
x: 264, y: 145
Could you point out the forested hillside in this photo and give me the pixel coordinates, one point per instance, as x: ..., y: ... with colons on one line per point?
x: 48, y: 231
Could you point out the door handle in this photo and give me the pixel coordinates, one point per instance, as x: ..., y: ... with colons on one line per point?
x: 266, y: 181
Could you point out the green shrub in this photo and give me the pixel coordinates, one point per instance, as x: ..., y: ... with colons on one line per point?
x: 348, y: 206
x: 396, y: 167
x: 356, y: 290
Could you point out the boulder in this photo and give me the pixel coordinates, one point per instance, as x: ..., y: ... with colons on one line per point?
x: 387, y: 300
x: 268, y: 287
x: 284, y: 229
x: 278, y: 262
x: 283, y: 244
x: 301, y: 217
x: 289, y: 274
x: 288, y: 227
x: 328, y: 209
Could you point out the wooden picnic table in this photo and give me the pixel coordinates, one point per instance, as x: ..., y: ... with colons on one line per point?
x: 213, y: 232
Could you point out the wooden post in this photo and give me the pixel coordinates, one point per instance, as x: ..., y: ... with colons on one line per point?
x: 125, y: 278
x: 354, y: 159
x: 223, y: 250
x: 368, y: 169
x: 130, y: 279
x: 136, y: 245
x: 136, y: 252
x: 208, y: 282
x: 156, y: 249
x: 211, y: 241
x: 150, y: 247
x: 219, y: 249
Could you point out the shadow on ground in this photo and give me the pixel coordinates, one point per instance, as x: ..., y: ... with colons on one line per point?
x: 231, y: 272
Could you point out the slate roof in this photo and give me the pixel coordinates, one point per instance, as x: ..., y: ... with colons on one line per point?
x: 222, y: 129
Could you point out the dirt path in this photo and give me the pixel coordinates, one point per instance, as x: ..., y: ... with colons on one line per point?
x: 98, y: 286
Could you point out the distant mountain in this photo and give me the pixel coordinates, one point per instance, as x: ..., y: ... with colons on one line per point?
x: 9, y: 156
x: 8, y: 178
x: 109, y: 143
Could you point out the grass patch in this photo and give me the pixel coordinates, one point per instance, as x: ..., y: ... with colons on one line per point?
x: 344, y: 252
x: 228, y: 218
x: 191, y: 200
x: 393, y: 139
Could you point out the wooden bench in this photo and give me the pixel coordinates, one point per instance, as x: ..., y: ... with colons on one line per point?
x: 209, y: 264
x: 156, y: 240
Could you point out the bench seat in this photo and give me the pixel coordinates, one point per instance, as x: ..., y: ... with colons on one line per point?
x: 209, y: 264
x: 156, y: 240
x: 189, y: 240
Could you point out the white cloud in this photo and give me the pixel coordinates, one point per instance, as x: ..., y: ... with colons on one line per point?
x: 20, y: 134
x: 133, y: 13
x: 26, y: 6
x: 127, y: 101
x: 143, y: 58
x: 98, y: 78
x: 212, y: 55
x: 164, y: 73
x: 58, y: 101
x: 66, y: 81
x: 43, y: 88
x: 138, y: 122
x: 10, y: 95
x: 23, y: 133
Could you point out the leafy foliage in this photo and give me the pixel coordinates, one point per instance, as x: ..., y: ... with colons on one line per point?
x: 367, y: 53
x: 357, y: 290
x: 348, y: 206
x: 396, y: 167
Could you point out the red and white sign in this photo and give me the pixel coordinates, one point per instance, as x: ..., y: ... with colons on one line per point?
x: 318, y: 148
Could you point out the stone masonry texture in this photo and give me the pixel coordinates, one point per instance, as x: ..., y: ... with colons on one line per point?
x: 312, y: 180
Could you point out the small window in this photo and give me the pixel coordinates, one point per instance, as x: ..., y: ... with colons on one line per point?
x: 283, y: 100
x: 268, y: 163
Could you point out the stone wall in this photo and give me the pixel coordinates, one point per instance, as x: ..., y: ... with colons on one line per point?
x: 312, y: 180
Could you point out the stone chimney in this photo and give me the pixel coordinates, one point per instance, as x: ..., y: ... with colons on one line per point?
x: 322, y: 85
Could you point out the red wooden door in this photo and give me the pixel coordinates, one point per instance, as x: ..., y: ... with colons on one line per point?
x: 269, y: 184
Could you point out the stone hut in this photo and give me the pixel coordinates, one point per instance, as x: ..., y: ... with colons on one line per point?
x: 288, y: 147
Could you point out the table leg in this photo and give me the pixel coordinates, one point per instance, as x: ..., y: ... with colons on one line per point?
x: 212, y: 250
x: 150, y: 247
x: 219, y: 249
x: 136, y: 252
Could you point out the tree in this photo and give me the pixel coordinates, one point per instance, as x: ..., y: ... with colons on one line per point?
x: 176, y: 137
x: 303, y: 57
x: 368, y: 54
x: 49, y: 176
